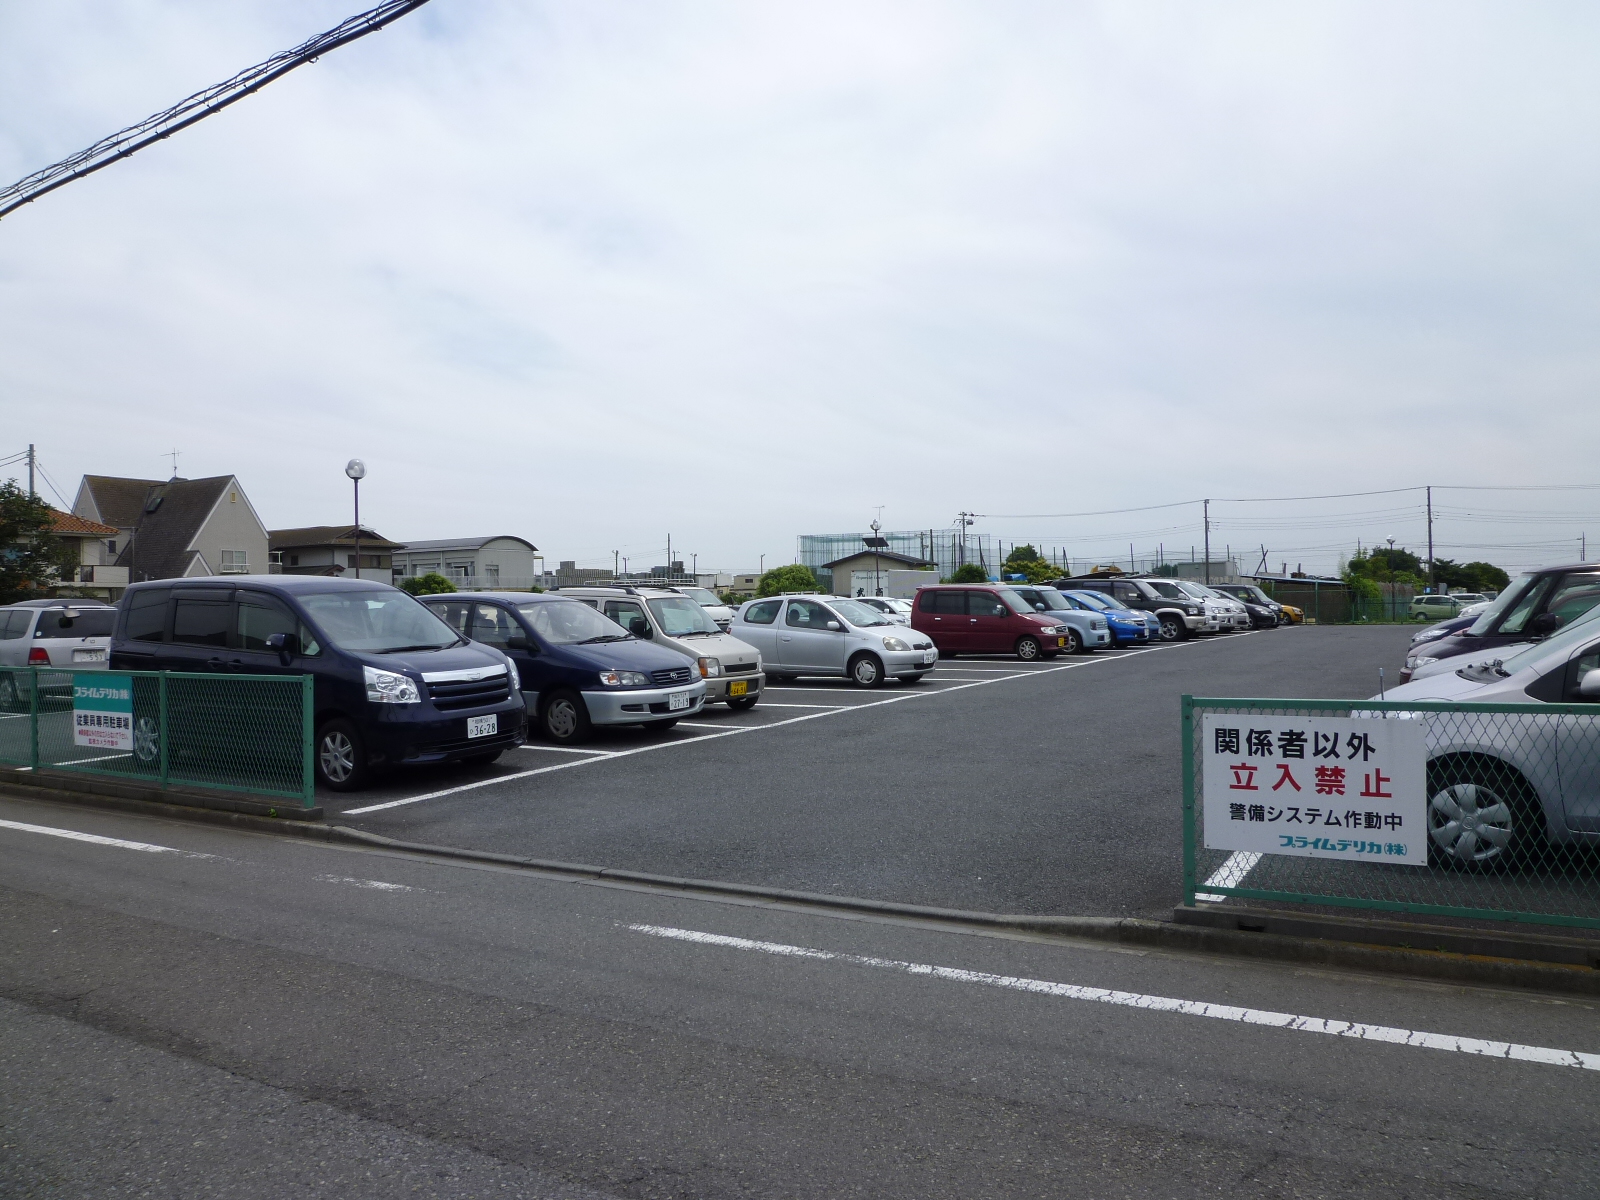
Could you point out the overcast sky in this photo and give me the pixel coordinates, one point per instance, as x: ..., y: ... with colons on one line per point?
x: 594, y: 273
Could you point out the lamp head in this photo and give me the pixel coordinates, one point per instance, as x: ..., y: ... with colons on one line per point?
x: 356, y: 469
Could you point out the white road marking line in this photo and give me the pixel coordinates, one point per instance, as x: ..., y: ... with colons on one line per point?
x: 1188, y: 1008
x: 73, y: 762
x: 701, y: 725
x: 96, y: 839
x: 828, y: 711
x: 1230, y: 874
x: 564, y: 749
x: 372, y: 884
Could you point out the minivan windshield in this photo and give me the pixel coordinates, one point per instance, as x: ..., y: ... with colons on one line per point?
x: 385, y: 622
x: 680, y: 616
x: 701, y: 595
x: 1197, y: 591
x: 1557, y: 645
x: 1100, y: 601
x: 1170, y: 590
x: 859, y: 614
x: 571, y: 623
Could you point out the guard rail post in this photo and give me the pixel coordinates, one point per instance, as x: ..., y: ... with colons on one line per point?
x: 1187, y: 725
x: 33, y: 719
x: 308, y: 779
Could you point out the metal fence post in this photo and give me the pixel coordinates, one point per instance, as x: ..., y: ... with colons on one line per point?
x: 161, y: 724
x: 33, y: 719
x: 1187, y: 725
x: 308, y: 779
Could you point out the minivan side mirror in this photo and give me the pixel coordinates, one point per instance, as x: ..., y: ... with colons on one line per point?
x: 1039, y: 608
x: 639, y: 627
x: 286, y: 644
x: 1544, y: 623
x: 1589, y: 686
x: 519, y: 641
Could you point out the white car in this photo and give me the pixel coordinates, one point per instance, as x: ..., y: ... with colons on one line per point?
x: 898, y: 611
x: 69, y: 635
x: 1500, y: 785
x: 710, y: 601
x: 832, y: 635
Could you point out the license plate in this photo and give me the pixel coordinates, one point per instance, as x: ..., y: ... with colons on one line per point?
x: 738, y: 687
x: 1061, y: 642
x: 679, y: 701
x: 929, y: 656
x: 88, y: 656
x: 483, y: 726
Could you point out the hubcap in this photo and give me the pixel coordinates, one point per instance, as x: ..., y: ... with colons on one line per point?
x: 1470, y: 822
x: 338, y: 757
x: 1027, y: 649
x: 146, y: 739
x: 866, y: 671
x: 1169, y: 631
x: 561, y: 719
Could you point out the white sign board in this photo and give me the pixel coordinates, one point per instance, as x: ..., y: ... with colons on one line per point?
x: 102, y: 710
x: 1315, y: 787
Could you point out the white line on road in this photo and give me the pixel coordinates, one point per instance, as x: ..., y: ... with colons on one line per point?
x: 1188, y: 1008
x: 827, y: 711
x: 72, y: 762
x: 776, y: 705
x: 376, y: 885
x: 1230, y: 874
x: 95, y: 838
x: 565, y: 749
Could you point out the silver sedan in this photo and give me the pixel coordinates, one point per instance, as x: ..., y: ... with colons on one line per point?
x: 832, y: 635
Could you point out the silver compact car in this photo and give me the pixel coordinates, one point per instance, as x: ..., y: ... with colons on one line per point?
x: 67, y: 635
x: 832, y: 635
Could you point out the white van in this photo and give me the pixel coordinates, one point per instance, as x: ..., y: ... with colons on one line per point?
x: 732, y: 669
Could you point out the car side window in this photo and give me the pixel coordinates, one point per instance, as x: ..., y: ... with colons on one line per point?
x: 807, y: 614
x: 764, y: 613
x: 260, y: 617
x: 147, y: 615
x: 13, y: 624
x: 986, y: 604
x: 946, y: 604
x: 1531, y: 603
x: 1581, y: 667
x: 1125, y: 592
x: 492, y: 625
x: 625, y: 611
x: 453, y: 613
x: 1574, y: 596
x: 201, y: 622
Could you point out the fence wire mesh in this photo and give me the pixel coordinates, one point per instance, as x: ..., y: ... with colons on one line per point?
x: 238, y: 733
x: 1511, y: 805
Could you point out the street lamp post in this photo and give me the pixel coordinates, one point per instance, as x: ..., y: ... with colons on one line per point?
x: 357, y: 471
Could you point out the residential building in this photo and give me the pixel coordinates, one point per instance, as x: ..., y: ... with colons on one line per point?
x: 331, y: 550
x: 178, y: 528
x: 473, y: 564
x: 94, y: 555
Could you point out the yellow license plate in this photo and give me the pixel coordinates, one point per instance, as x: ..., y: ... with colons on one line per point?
x: 1061, y: 641
x: 738, y: 687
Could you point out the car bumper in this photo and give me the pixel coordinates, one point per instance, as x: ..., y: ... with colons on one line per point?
x: 630, y: 706
x: 717, y: 689
x: 899, y: 663
x: 1124, y: 634
x: 1202, y: 624
x: 440, y: 737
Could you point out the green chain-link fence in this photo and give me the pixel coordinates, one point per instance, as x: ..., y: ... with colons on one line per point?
x: 1500, y: 819
x: 239, y: 733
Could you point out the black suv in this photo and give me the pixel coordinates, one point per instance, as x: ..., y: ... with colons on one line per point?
x: 1181, y: 615
x: 1534, y: 606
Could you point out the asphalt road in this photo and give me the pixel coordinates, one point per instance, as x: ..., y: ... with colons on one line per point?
x: 193, y: 1011
x: 1052, y: 788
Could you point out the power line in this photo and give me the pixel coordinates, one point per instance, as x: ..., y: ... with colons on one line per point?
x: 198, y: 106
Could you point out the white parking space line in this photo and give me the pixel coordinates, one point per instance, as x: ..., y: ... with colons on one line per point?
x: 564, y: 749
x: 1387, y: 1034
x: 826, y: 710
x: 701, y: 725
x: 1230, y: 874
x: 72, y: 762
x: 94, y: 838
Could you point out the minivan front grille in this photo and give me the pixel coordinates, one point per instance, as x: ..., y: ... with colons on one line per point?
x: 475, y: 693
x: 670, y: 676
x: 739, y: 668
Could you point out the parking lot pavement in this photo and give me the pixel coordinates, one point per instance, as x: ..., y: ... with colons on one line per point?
x: 993, y: 785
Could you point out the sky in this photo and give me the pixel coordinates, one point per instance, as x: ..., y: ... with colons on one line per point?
x: 597, y: 273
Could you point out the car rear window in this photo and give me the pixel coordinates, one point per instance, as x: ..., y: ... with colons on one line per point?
x: 85, y: 622
x: 147, y: 615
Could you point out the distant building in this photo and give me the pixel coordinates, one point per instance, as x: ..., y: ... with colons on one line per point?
x: 95, y: 546
x: 331, y: 550
x: 866, y: 572
x: 473, y: 564
x: 181, y: 528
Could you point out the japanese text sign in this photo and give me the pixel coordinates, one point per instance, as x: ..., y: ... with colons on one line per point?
x: 102, y: 710
x: 1315, y: 787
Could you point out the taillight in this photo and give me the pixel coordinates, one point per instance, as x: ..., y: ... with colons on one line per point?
x: 38, y: 657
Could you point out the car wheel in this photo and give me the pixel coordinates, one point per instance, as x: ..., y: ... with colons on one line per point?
x: 1028, y: 649
x: 482, y: 760
x: 1482, y: 815
x: 866, y: 671
x: 1074, y: 643
x: 341, y: 759
x: 10, y: 695
x: 659, y: 726
x: 1172, y: 630
x: 564, y: 717
x: 147, y: 741
x: 742, y: 703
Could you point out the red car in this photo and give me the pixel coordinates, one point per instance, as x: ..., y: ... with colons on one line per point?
x: 985, y: 619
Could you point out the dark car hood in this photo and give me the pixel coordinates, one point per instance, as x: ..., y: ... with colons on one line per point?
x: 626, y: 656
x: 426, y: 662
x: 1460, y: 643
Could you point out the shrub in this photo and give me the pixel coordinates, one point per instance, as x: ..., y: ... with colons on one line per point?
x: 431, y: 584
x: 968, y: 573
x: 792, y: 578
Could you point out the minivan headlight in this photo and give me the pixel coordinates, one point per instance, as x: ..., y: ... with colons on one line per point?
x: 390, y: 687
x: 710, y: 668
x: 516, y: 676
x: 624, y: 679
x: 894, y: 643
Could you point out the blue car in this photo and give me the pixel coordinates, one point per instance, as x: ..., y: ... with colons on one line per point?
x: 1129, y: 626
x: 579, y: 668
x: 392, y: 684
x: 1086, y: 628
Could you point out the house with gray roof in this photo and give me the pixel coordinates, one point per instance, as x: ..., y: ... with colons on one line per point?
x: 473, y: 564
x: 178, y: 528
x: 332, y: 550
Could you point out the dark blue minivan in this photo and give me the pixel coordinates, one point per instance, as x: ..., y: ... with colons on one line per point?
x: 393, y: 684
x: 579, y: 668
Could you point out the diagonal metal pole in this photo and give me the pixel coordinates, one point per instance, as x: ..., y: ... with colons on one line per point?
x: 198, y: 106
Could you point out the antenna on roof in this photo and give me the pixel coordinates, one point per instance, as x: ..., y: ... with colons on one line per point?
x: 173, y: 455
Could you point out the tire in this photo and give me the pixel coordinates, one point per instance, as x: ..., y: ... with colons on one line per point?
x: 1028, y: 649
x: 482, y: 760
x: 743, y: 703
x: 341, y: 759
x: 1482, y: 815
x: 1074, y: 643
x: 147, y: 741
x: 10, y: 693
x: 660, y: 726
x: 866, y: 671
x: 564, y: 718
x: 1172, y: 629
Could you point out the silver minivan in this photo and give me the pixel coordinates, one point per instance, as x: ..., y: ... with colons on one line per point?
x: 732, y: 669
x: 69, y: 635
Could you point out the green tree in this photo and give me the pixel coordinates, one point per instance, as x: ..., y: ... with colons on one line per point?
x: 968, y: 573
x: 791, y: 578
x: 32, y: 557
x: 1024, y: 560
x: 1486, y: 577
x: 431, y: 584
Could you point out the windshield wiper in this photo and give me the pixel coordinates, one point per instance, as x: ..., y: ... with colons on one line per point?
x: 605, y: 637
x: 404, y: 649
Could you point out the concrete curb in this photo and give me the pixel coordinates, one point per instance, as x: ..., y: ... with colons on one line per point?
x: 1132, y: 931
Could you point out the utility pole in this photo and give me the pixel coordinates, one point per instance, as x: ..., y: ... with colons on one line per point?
x: 1208, y: 542
x: 1583, y: 547
x: 30, y: 471
x: 1433, y: 575
x: 694, y: 567
x: 669, y: 555
x: 616, y: 557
